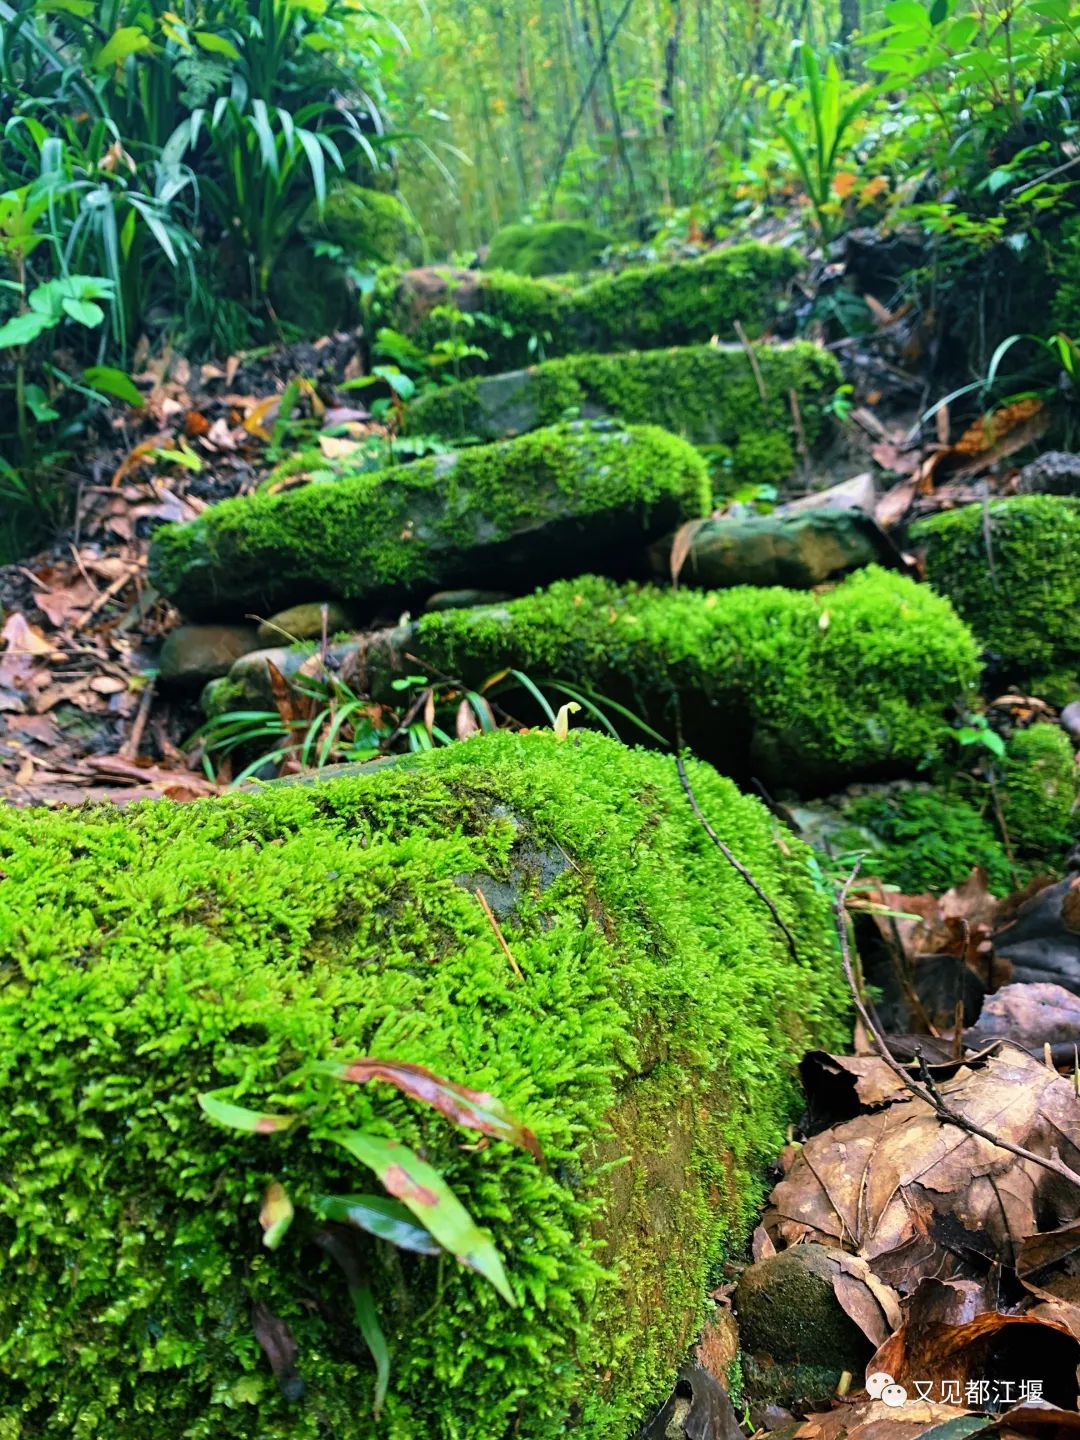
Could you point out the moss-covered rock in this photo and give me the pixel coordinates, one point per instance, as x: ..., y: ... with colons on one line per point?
x: 518, y: 319
x: 919, y: 838
x: 709, y: 394
x: 1039, y: 795
x: 510, y: 515
x: 365, y: 226
x: 158, y: 952
x: 800, y: 687
x: 1012, y: 569
x: 553, y: 247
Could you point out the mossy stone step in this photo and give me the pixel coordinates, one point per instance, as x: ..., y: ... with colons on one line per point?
x: 160, y: 951
x: 503, y: 516
x: 518, y: 319
x: 707, y: 393
x: 1012, y: 569
x: 798, y: 688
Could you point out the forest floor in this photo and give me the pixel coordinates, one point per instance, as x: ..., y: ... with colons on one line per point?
x: 916, y: 1168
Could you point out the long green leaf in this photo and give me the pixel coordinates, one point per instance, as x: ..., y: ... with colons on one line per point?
x: 380, y: 1216
x: 367, y: 1320
x: 236, y: 1117
x: 422, y: 1189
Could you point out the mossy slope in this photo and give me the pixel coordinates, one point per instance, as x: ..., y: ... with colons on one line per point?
x: 155, y: 952
x: 645, y: 307
x: 553, y: 247
x: 800, y: 687
x: 708, y: 394
x: 1022, y: 599
x: 503, y: 516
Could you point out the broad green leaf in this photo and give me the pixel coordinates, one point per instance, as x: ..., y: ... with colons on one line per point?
x: 236, y: 1117
x: 380, y: 1216
x: 422, y: 1189
x: 82, y: 9
x: 472, y: 1109
x: 22, y: 329
x: 276, y: 1215
x: 111, y: 381
x: 907, y: 12
x: 128, y: 40
x: 83, y: 312
x: 367, y: 1319
x: 38, y: 404
x: 216, y: 44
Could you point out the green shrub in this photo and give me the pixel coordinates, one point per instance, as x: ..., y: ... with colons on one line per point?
x: 555, y: 247
x: 1023, y: 598
x: 797, y: 686
x: 1039, y: 794
x: 709, y: 395
x: 156, y: 952
x: 540, y: 506
x: 646, y: 307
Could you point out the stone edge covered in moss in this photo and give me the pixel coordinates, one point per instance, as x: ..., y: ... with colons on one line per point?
x: 398, y: 531
x: 162, y: 950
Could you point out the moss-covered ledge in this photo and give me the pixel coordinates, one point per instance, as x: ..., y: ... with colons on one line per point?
x: 801, y: 688
x: 508, y: 515
x: 678, y: 302
x: 707, y: 393
x: 1012, y: 569
x: 152, y: 953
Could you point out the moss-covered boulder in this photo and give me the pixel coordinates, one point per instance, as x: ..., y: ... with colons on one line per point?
x: 553, y: 247
x: 709, y: 394
x: 507, y: 516
x: 917, y: 837
x: 646, y: 1036
x: 518, y: 319
x: 1040, y: 794
x: 364, y: 226
x: 790, y: 685
x: 1012, y: 569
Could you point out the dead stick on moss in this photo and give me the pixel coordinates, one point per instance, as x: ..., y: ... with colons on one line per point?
x: 498, y: 933
x: 744, y: 341
x: 733, y: 860
x: 944, y: 1112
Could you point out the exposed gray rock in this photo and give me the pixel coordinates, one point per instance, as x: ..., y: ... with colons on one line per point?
x: 1055, y: 473
x: 194, y: 654
x: 795, y: 550
x: 304, y: 622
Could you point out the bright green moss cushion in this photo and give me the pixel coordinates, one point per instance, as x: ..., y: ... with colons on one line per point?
x: 803, y: 688
x: 547, y: 504
x: 1012, y: 569
x: 708, y: 394
x: 153, y: 953
x: 517, y: 319
x: 553, y: 247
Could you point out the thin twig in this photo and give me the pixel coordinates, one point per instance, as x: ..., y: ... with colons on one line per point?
x: 754, y: 366
x: 732, y: 859
x: 498, y: 933
x: 130, y: 748
x: 944, y: 1112
x: 105, y: 596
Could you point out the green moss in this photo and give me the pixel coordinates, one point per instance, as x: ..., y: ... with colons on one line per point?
x: 543, y: 505
x: 1066, y: 305
x: 366, y: 225
x: 923, y: 838
x: 706, y: 394
x: 1025, y: 606
x: 555, y: 247
x: 151, y: 953
x: 1039, y: 794
x: 798, y: 686
x: 517, y: 319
